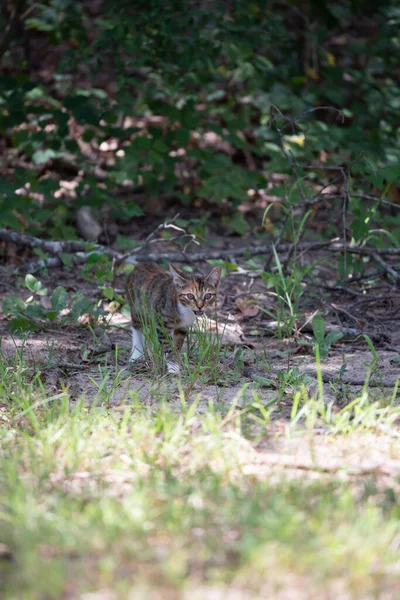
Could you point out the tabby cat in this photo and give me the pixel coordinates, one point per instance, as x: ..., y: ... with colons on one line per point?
x: 176, y: 297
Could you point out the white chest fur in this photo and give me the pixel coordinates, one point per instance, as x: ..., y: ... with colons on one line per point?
x: 187, y: 315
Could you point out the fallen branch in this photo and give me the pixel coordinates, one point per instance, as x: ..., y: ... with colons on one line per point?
x: 341, y: 288
x: 80, y: 251
x: 357, y: 381
x: 141, y: 255
x: 386, y: 266
x: 362, y: 197
x: 50, y: 246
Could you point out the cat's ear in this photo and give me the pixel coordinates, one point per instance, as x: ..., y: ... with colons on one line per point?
x: 215, y: 276
x: 177, y: 275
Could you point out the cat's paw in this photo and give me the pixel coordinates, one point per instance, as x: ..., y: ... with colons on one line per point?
x: 139, y: 366
x: 136, y: 354
x: 173, y: 368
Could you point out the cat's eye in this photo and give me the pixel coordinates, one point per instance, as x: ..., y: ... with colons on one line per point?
x: 207, y: 296
x: 190, y: 296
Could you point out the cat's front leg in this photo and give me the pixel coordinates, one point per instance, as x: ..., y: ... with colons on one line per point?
x: 178, y: 337
x: 175, y: 339
x: 138, y: 344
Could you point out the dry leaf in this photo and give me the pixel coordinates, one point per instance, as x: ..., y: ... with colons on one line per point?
x: 113, y: 306
x: 231, y: 334
x: 45, y: 302
x: 331, y: 59
x: 247, y: 307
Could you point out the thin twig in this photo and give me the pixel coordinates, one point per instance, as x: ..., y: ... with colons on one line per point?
x: 386, y: 266
x: 345, y: 312
x: 152, y: 239
x: 364, y: 197
x: 341, y: 288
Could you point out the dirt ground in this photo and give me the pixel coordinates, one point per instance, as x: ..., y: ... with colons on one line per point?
x: 94, y: 365
x: 371, y: 454
x: 75, y: 357
x: 58, y: 353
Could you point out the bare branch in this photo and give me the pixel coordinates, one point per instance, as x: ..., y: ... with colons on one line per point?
x: 363, y: 197
x: 80, y: 251
x: 52, y: 247
x: 386, y: 266
x: 152, y: 239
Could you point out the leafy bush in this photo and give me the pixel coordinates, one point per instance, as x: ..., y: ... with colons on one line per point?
x: 168, y: 98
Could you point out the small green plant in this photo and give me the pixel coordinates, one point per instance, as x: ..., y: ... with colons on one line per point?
x: 337, y: 385
x: 288, y: 291
x: 289, y: 380
x: 153, y: 330
x: 98, y: 268
x: 202, y: 360
x: 373, y: 369
x: 324, y: 342
x: 38, y: 310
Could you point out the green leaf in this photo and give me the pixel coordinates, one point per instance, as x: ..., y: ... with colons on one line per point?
x: 31, y: 282
x: 51, y: 315
x: 80, y: 307
x: 371, y: 346
x: 238, y: 223
x: 323, y: 350
x: 108, y: 292
x: 133, y: 210
x: 182, y: 136
x: 333, y: 337
x: 263, y: 381
x: 22, y: 325
x: 66, y: 259
x: 13, y: 305
x: 160, y: 146
x: 93, y: 258
x: 58, y: 299
x: 126, y: 311
x: 40, y: 157
x: 35, y: 311
x: 318, y: 325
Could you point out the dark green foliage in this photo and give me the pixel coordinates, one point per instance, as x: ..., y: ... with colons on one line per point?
x: 30, y: 315
x: 156, y: 76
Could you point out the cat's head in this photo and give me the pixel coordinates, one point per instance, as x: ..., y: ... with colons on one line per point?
x: 196, y: 291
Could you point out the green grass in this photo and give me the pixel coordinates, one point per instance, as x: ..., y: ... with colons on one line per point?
x: 200, y: 357
x: 137, y: 499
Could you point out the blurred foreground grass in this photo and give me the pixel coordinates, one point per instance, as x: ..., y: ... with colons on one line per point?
x: 150, y: 502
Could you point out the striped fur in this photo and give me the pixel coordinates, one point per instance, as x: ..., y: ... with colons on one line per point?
x: 175, y: 296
